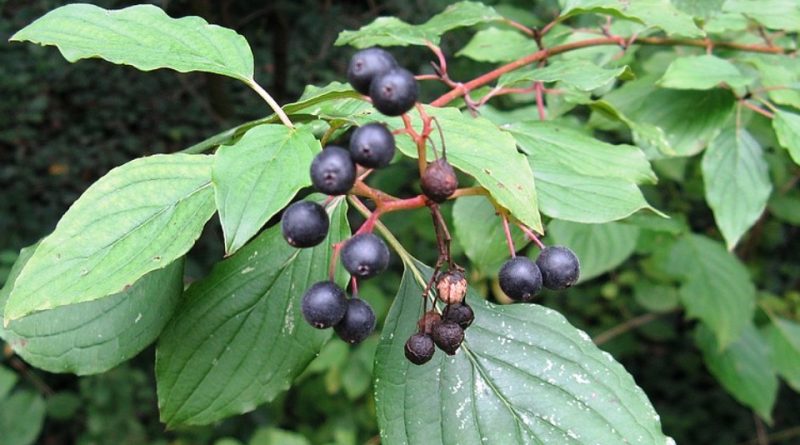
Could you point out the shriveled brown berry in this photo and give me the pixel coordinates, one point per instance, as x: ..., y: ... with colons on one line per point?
x: 429, y: 321
x: 419, y: 348
x: 460, y: 313
x: 439, y: 180
x: 452, y: 286
x: 448, y: 336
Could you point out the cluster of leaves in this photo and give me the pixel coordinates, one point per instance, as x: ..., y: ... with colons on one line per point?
x: 107, y: 282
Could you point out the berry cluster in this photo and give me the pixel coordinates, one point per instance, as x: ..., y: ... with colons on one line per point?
x: 338, y: 171
x: 393, y: 91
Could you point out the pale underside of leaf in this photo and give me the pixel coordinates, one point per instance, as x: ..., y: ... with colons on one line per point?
x: 93, y: 337
x: 138, y: 218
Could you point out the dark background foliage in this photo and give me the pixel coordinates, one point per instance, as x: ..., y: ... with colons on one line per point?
x: 62, y: 126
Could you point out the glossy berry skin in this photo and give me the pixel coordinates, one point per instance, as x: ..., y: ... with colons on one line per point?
x: 559, y: 266
x: 448, y: 336
x: 365, y: 255
x: 372, y: 146
x: 333, y: 171
x: 304, y: 224
x: 358, y: 321
x: 439, y: 181
x: 419, y: 348
x: 394, y: 92
x: 365, y: 65
x: 459, y: 313
x: 520, y: 279
x: 324, y: 304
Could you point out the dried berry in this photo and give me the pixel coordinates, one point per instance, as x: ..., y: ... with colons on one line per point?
x: 460, y: 313
x: 448, y: 336
x: 439, y: 180
x: 419, y: 348
x: 452, y: 286
x: 429, y: 321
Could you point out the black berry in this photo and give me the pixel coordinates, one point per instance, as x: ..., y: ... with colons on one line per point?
x: 451, y: 287
x: 448, y: 336
x: 333, y: 171
x: 459, y: 313
x: 365, y: 65
x: 559, y: 266
x: 439, y: 181
x: 372, y: 146
x: 394, y: 92
x: 520, y: 279
x: 304, y: 224
x: 365, y: 255
x: 358, y: 321
x: 419, y: 348
x: 429, y: 321
x: 324, y: 304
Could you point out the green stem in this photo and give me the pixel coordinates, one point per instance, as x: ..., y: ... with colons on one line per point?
x: 406, y: 257
x: 270, y: 101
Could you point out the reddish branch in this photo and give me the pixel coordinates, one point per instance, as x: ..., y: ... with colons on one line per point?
x: 485, y: 79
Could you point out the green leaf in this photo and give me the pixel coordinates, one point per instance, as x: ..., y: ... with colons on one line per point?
x: 95, y: 336
x: 21, y: 418
x: 743, y: 368
x: 600, y: 247
x: 275, y: 436
x: 144, y: 37
x: 774, y: 14
x: 716, y: 289
x: 656, y: 13
x: 655, y: 297
x: 579, y: 178
x: 703, y: 73
x: 257, y: 176
x: 477, y: 147
x: 688, y: 119
x: 786, y: 207
x: 7, y: 381
x: 783, y: 337
x: 787, y: 128
x: 138, y: 218
x: 480, y: 232
x: 580, y: 74
x: 63, y: 405
x: 314, y: 95
x: 523, y: 375
x: 736, y: 181
x: 703, y: 9
x: 239, y: 337
x: 782, y: 80
x: 498, y: 45
x: 391, y: 31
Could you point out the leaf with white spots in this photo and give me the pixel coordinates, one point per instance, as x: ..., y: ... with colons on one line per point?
x: 239, y: 338
x: 522, y: 376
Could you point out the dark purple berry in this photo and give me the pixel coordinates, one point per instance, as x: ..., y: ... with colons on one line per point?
x: 559, y: 266
x: 439, y: 181
x: 419, y: 348
x: 324, y: 304
x: 372, y: 146
x: 459, y: 313
x: 304, y: 224
x: 365, y: 65
x: 333, y: 171
x: 394, y: 92
x: 365, y: 255
x: 448, y: 336
x: 520, y: 279
x: 358, y: 321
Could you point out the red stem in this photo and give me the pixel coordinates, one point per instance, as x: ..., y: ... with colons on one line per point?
x: 532, y: 236
x: 758, y: 109
x: 334, y: 256
x: 539, y: 88
x: 507, y: 231
x: 548, y: 52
